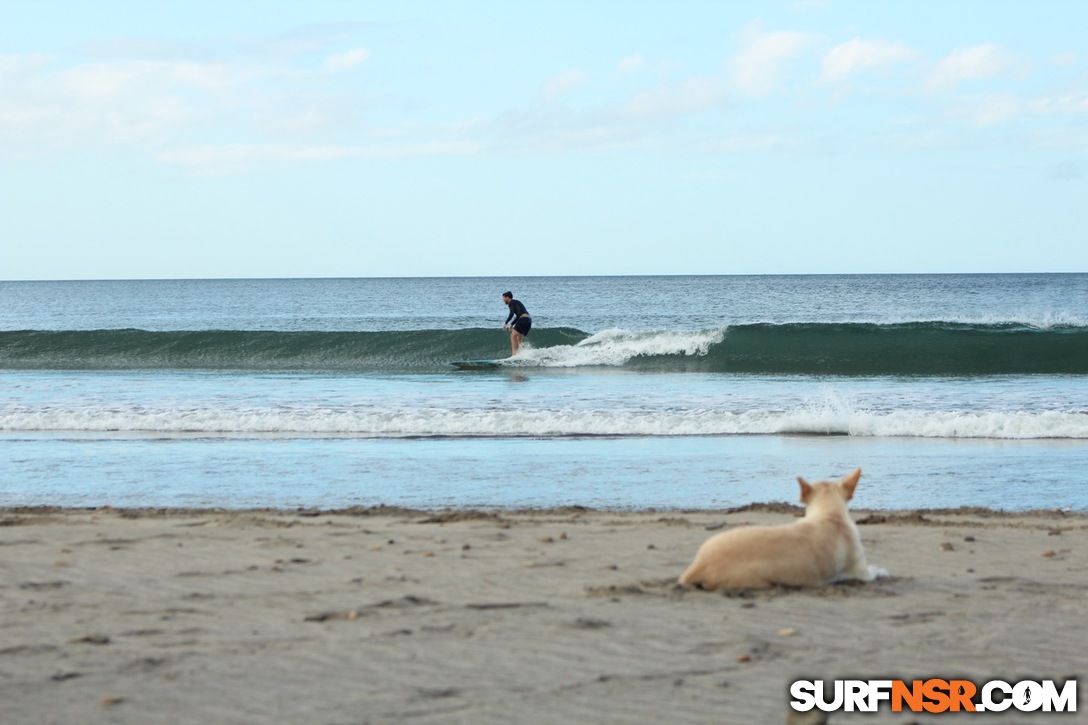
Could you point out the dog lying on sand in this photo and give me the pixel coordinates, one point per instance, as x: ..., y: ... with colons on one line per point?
x: 822, y: 547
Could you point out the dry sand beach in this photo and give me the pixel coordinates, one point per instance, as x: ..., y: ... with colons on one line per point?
x: 565, y: 616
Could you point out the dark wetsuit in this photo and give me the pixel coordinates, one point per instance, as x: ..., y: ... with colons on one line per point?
x: 520, y: 316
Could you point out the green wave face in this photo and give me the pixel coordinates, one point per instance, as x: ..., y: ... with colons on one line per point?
x: 923, y: 348
x: 413, y: 351
x: 916, y: 348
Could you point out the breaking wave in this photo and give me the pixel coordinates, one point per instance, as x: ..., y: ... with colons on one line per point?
x: 908, y: 348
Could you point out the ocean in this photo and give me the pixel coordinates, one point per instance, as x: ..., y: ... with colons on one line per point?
x: 632, y: 392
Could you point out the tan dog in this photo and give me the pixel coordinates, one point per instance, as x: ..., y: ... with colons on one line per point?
x: 821, y: 547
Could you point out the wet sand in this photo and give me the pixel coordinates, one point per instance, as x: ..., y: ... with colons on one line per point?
x: 564, y: 616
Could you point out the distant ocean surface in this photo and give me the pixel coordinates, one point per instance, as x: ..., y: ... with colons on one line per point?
x: 632, y: 392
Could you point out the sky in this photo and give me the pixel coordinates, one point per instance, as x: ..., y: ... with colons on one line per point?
x: 334, y: 138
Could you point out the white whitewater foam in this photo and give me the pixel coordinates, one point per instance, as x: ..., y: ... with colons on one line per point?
x: 829, y: 417
x: 615, y: 347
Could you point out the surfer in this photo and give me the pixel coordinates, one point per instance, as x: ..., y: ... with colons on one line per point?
x: 522, y: 322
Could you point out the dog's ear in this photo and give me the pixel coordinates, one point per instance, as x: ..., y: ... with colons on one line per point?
x: 806, y: 489
x: 850, y: 482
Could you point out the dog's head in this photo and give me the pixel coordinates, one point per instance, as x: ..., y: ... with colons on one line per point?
x: 842, y: 490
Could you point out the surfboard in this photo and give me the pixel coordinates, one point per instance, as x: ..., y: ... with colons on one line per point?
x: 476, y: 364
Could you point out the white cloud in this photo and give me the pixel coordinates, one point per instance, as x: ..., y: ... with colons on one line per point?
x: 1065, y: 60
x: 13, y: 66
x: 677, y: 99
x: 215, y: 77
x: 859, y: 55
x: 1069, y: 104
x: 348, y: 60
x: 769, y: 141
x: 563, y: 83
x: 101, y: 80
x: 631, y: 63
x: 992, y: 109
x: 112, y: 79
x: 758, y: 67
x: 968, y: 64
x: 117, y: 102
x: 284, y: 109
x: 919, y: 140
x: 233, y: 158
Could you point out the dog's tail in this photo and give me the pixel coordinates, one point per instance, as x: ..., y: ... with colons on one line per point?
x: 692, y: 576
